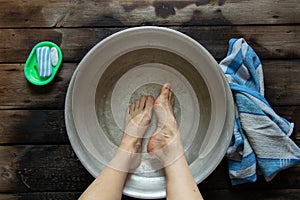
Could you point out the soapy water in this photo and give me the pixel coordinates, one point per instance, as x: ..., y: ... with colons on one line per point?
x: 148, y: 79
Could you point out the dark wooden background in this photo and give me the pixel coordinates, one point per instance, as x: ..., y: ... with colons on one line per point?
x: 36, y: 159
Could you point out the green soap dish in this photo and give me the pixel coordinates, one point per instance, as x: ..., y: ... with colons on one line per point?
x: 31, y: 65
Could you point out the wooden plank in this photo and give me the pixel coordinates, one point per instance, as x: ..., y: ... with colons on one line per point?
x: 219, y: 179
x: 268, y: 41
x: 292, y: 114
x: 41, y: 196
x: 16, y: 92
x: 32, y: 127
x: 41, y: 168
x: 280, y: 194
x: 63, y: 13
x: 281, y: 81
x: 48, y: 127
x: 52, y: 168
x: 75, y: 43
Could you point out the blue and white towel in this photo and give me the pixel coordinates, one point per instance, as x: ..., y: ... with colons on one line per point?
x: 261, y: 137
x: 44, y: 61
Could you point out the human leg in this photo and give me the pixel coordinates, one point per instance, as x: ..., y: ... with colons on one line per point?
x: 167, y: 146
x: 109, y: 184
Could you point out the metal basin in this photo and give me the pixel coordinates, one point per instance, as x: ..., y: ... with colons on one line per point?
x: 138, y: 61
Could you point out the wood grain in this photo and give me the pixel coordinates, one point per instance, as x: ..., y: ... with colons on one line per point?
x: 268, y: 41
x: 282, y: 81
x: 37, y: 168
x: 41, y: 168
x: 17, y: 92
x: 32, y: 127
x: 41, y: 196
x: 281, y: 194
x: 281, y: 85
x: 219, y: 179
x: 48, y: 126
x: 246, y: 194
x: 64, y: 13
x: 292, y: 114
x: 36, y: 159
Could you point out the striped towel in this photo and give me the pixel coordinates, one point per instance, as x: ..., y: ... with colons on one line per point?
x: 261, y: 137
x: 44, y: 61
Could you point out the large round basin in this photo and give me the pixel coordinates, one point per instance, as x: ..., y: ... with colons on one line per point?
x: 135, y: 62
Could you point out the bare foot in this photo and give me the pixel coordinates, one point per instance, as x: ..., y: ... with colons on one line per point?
x: 138, y: 116
x: 165, y: 143
x: 137, y: 120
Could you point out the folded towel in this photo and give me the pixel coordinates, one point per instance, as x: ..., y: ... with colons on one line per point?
x: 261, y: 137
x: 44, y: 61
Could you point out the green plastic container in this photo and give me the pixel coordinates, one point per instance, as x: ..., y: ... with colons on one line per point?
x: 31, y: 65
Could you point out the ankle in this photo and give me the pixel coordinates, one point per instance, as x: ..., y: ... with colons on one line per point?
x: 130, y: 143
x: 177, y: 164
x: 171, y: 152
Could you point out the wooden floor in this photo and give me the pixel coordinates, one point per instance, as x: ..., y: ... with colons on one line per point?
x: 36, y: 159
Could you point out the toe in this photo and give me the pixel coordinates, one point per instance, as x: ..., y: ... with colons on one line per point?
x: 142, y: 104
x: 149, y: 102
x: 165, y: 90
x: 127, y: 115
x: 131, y: 108
x: 136, y: 105
x: 171, y: 99
x: 170, y: 96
